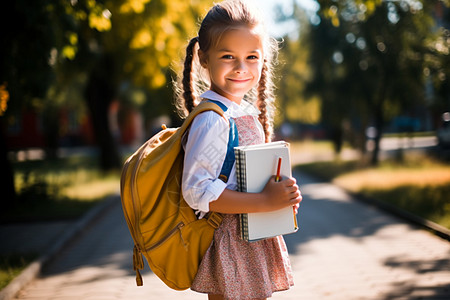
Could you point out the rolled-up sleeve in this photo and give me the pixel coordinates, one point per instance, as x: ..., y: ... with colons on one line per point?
x: 205, y: 151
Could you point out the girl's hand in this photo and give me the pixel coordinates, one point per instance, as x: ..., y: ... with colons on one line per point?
x: 277, y: 195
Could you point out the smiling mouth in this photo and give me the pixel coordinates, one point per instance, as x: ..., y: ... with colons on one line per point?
x: 239, y: 80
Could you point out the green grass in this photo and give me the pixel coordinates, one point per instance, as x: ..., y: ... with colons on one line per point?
x: 328, y: 170
x: 53, y: 190
x: 59, y: 189
x: 419, y: 185
x: 428, y: 202
x: 12, y: 265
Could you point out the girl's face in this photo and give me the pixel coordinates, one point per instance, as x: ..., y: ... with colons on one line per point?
x: 235, y: 63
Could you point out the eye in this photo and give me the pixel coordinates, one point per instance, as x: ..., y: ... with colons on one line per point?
x: 227, y: 56
x: 252, y: 57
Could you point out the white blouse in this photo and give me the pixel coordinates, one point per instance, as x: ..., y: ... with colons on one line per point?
x: 205, y: 151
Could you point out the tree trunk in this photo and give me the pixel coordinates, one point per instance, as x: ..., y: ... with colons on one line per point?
x: 337, y: 136
x: 378, y: 120
x: 99, y: 94
x: 6, y: 172
x: 379, y: 99
x: 51, y: 132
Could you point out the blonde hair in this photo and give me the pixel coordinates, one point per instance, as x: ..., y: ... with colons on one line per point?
x: 221, y: 18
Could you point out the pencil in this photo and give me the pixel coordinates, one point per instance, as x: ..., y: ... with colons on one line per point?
x: 277, y: 178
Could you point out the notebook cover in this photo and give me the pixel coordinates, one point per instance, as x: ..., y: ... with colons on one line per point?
x: 255, y: 165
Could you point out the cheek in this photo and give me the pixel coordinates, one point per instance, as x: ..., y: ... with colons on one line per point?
x: 214, y: 72
x: 261, y: 66
x: 258, y: 70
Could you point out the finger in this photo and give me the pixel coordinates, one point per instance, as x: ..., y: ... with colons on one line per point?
x: 294, y: 188
x: 297, y: 199
x: 294, y: 202
x: 290, y: 181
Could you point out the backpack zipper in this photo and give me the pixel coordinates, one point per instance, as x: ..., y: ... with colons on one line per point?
x: 168, y: 235
x: 134, y: 196
x: 138, y: 263
x: 133, y: 222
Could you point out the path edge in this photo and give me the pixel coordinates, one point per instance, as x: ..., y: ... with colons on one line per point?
x: 34, y: 269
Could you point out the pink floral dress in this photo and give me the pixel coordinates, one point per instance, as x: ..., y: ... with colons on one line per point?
x: 237, y: 269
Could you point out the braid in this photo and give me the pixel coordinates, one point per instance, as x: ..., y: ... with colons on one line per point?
x: 187, y: 82
x: 265, y: 102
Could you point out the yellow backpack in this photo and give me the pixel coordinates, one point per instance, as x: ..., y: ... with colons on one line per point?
x: 163, y: 226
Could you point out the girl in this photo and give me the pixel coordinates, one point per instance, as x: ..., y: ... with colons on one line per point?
x: 237, y: 57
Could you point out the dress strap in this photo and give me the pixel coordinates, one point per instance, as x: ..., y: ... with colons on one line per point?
x: 233, y: 141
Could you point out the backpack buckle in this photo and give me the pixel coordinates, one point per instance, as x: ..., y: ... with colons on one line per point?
x: 223, y: 177
x: 214, y: 219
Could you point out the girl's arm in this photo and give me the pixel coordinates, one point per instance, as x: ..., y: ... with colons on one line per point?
x: 205, y: 148
x: 275, y: 195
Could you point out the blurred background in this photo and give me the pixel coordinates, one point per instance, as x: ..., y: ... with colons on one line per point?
x: 362, y: 90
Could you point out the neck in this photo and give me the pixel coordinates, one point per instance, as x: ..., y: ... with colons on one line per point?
x: 232, y: 98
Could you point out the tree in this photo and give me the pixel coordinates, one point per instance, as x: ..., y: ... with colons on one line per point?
x: 106, y: 47
x: 369, y: 59
x: 438, y: 65
x: 294, y: 73
x: 25, y: 73
x: 133, y: 52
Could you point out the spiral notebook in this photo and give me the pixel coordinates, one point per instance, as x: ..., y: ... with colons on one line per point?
x: 254, y: 166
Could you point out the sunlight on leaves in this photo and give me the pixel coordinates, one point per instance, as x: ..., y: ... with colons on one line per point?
x: 136, y: 6
x: 4, y: 98
x: 306, y: 111
x: 73, y: 38
x: 157, y: 80
x: 141, y: 39
x: 390, y: 178
x: 69, y: 52
x: 99, y: 22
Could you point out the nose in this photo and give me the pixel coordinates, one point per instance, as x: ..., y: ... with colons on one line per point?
x: 240, y: 67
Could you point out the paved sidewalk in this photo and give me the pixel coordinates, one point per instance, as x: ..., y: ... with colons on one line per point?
x: 345, y: 249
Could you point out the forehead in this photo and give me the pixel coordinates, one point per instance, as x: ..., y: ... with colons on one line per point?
x: 240, y: 38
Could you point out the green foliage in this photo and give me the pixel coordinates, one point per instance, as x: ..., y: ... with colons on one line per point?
x: 371, y: 60
x: 25, y: 49
x: 294, y: 73
x: 59, y: 189
x: 418, y: 185
x: 141, y: 47
x: 41, y: 199
x: 429, y: 202
x: 53, y: 43
x: 330, y: 170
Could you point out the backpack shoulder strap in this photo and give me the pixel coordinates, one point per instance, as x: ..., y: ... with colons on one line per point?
x: 202, y: 107
x: 233, y: 140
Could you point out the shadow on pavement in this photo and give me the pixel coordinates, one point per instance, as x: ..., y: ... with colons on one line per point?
x: 360, y: 238
x: 344, y: 249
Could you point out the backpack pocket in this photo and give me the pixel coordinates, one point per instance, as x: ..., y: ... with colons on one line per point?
x: 175, y: 258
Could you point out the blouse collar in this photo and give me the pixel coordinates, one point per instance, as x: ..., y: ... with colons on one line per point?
x: 234, y: 110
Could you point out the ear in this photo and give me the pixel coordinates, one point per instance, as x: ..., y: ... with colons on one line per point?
x: 203, y: 58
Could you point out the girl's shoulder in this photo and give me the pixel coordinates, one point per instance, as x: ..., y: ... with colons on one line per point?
x: 209, y: 120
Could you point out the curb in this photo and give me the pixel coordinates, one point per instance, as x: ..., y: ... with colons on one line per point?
x: 435, y: 228
x: 34, y: 269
